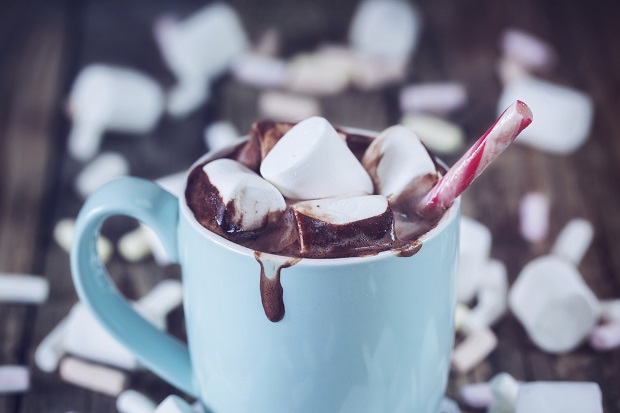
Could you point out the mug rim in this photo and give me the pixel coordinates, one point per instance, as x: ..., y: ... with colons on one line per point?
x: 449, y: 216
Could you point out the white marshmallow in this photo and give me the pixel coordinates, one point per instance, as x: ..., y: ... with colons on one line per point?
x: 437, y: 134
x: 553, y: 303
x: 386, y: 29
x: 606, y: 337
x: 574, y: 240
x: 565, y: 397
x: 110, y: 98
x: 14, y: 379
x: 449, y: 406
x: 474, y: 250
x: 255, y: 202
x: 163, y: 298
x: 101, y: 170
x: 174, y: 404
x: 370, y: 73
x: 260, y: 71
x: 174, y: 183
x: 505, y: 391
x: 131, y: 401
x: 93, y: 377
x: 312, y: 161
x: 529, y: 51
x: 220, y: 134
x: 395, y: 159
x: 318, y: 74
x: 477, y: 395
x: 473, y: 350
x: 460, y: 314
x: 63, y: 235
x: 287, y: 107
x: 563, y: 115
x: 51, y: 349
x: 534, y: 216
x: 610, y: 310
x: 510, y: 71
x: 341, y: 211
x: 491, y: 305
x: 23, y: 288
x: 432, y: 97
x: 134, y: 245
x: 199, y: 48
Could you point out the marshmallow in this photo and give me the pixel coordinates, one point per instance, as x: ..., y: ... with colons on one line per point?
x: 610, y: 310
x: 529, y: 51
x: 473, y: 350
x: 110, y: 98
x: 449, y: 406
x: 220, y: 134
x: 312, y: 161
x: 460, y: 314
x: 437, y: 134
x: 534, y: 216
x: 474, y: 250
x: 563, y: 115
x: 491, y: 303
x: 93, y: 377
x: 565, y: 397
x: 14, y: 379
x: 174, y: 183
x: 23, y: 288
x: 198, y: 407
x: 385, y: 29
x: 432, y: 97
x: 353, y: 221
x: 131, y: 401
x: 51, y: 349
x: 478, y: 395
x: 264, y: 72
x: 135, y: 245
x: 249, y: 201
x: 262, y: 138
x: 318, y: 74
x: 505, y: 391
x: 574, y: 240
x: 63, y: 235
x: 553, y: 303
x: 370, y: 74
x: 510, y: 71
x: 284, y: 106
x: 174, y: 404
x: 606, y: 337
x: 197, y: 49
x: 101, y: 170
x: 163, y: 298
x: 397, y: 161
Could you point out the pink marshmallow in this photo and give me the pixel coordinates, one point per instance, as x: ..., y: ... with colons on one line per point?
x: 606, y: 337
x: 529, y: 51
x: 534, y: 216
x: 477, y: 395
x: 14, y: 379
x: 433, y: 97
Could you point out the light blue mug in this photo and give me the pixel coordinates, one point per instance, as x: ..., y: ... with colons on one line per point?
x: 359, y: 335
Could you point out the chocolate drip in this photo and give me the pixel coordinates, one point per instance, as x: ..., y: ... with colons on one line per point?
x: 271, y: 292
x: 408, y: 250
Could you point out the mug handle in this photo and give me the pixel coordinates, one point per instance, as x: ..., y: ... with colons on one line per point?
x: 157, y: 208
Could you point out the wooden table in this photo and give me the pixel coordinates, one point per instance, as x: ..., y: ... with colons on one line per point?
x: 44, y: 44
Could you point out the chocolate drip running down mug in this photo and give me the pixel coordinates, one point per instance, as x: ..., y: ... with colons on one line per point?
x: 360, y: 335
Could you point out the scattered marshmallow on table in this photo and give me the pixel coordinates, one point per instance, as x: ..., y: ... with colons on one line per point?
x: 396, y: 160
x: 220, y: 134
x: 563, y: 115
x: 385, y: 29
x: 23, y: 288
x: 438, y: 134
x: 491, y: 298
x: 534, y: 216
x: 102, y: 169
x: 14, y: 379
x: 370, y: 73
x: 260, y: 71
x: 174, y: 404
x: 610, y: 310
x: 449, y: 406
x: 318, y: 74
x: 250, y: 202
x: 565, y: 397
x: 286, y: 106
x: 110, y: 98
x: 477, y: 395
x: 606, y: 336
x: 505, y: 391
x: 131, y: 401
x: 474, y: 249
x: 529, y: 51
x: 475, y: 348
x: 94, y: 377
x: 64, y: 232
x: 134, y: 245
x: 321, y: 166
x: 197, y: 49
x: 432, y: 97
x: 574, y: 240
x: 461, y: 312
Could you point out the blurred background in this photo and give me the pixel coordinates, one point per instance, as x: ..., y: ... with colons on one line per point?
x: 442, y: 67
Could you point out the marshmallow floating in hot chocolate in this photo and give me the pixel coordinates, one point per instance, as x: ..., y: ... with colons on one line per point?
x: 312, y: 161
x: 335, y: 224
x: 248, y: 202
x: 397, y: 161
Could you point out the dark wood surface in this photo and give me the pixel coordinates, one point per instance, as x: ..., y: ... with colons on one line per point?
x: 44, y: 44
